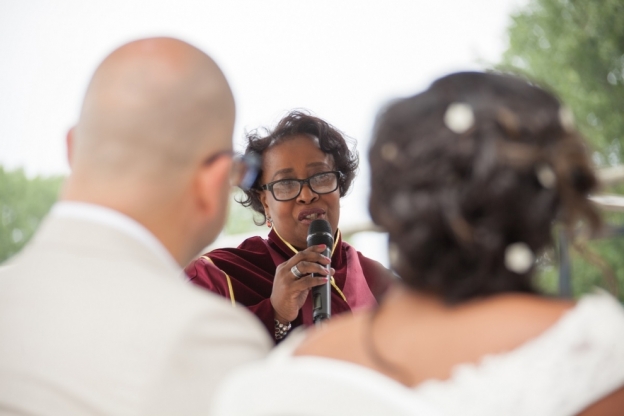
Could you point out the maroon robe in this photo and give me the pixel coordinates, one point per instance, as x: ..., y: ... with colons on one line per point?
x: 251, y: 270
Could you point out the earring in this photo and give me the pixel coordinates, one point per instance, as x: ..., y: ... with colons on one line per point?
x: 269, y: 222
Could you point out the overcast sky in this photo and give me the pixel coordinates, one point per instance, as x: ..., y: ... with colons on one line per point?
x: 339, y: 59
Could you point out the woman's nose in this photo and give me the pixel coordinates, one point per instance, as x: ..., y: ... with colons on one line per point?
x: 307, y: 195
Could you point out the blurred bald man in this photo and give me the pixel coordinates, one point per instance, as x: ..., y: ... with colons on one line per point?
x: 95, y: 314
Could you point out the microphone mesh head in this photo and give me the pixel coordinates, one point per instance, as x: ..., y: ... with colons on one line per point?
x: 320, y: 232
x: 319, y: 226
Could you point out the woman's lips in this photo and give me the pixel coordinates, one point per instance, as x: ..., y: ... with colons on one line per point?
x: 310, y: 215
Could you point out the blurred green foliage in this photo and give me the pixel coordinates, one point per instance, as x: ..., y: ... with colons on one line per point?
x: 576, y: 49
x: 23, y: 203
x: 240, y: 219
x: 595, y: 263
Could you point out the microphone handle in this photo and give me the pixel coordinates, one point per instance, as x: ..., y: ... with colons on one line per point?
x: 321, y: 296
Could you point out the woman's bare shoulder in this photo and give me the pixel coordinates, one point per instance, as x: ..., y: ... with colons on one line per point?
x: 506, y: 320
x: 523, y: 312
x: 500, y: 323
x: 336, y: 340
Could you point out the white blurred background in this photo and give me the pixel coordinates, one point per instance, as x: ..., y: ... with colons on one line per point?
x: 341, y: 60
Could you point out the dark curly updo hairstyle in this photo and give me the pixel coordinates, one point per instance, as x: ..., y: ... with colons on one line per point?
x: 331, y: 141
x: 476, y: 164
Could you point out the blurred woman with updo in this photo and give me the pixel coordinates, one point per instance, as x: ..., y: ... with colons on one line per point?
x: 469, y: 178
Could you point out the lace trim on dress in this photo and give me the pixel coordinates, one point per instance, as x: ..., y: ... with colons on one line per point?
x: 574, y: 363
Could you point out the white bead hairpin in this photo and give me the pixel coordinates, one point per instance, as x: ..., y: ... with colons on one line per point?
x: 546, y: 176
x: 389, y: 152
x: 402, y: 205
x: 566, y: 118
x: 519, y: 258
x: 459, y: 117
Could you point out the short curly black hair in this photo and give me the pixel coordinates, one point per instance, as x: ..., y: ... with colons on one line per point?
x: 295, y: 123
x: 454, y: 199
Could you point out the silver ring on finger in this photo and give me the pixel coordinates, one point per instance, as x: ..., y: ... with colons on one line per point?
x: 294, y: 270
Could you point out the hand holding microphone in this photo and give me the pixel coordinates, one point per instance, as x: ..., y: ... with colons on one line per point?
x: 307, y: 269
x: 290, y: 290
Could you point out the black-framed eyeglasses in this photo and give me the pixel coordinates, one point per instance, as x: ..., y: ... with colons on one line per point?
x: 244, y: 169
x: 320, y: 183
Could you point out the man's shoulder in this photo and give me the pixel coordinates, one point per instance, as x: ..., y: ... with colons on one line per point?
x: 130, y: 292
x: 132, y: 279
x: 129, y: 320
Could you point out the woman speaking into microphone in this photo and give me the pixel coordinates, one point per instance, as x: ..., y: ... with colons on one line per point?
x: 306, y: 167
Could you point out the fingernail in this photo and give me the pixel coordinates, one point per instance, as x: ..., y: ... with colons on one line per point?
x: 322, y: 246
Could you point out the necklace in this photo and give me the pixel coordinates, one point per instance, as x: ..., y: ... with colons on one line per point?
x: 373, y: 352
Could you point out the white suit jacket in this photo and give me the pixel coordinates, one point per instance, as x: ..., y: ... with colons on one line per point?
x: 94, y: 322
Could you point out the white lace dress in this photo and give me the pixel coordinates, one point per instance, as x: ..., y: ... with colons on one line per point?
x: 574, y: 363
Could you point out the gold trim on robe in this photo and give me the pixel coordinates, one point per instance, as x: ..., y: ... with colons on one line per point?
x: 229, y: 281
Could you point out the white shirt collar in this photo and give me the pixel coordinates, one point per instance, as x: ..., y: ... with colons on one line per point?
x: 116, y: 220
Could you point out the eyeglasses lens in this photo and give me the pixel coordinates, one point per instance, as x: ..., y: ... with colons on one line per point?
x: 286, y: 190
x: 245, y: 171
x: 326, y: 182
x: 323, y: 183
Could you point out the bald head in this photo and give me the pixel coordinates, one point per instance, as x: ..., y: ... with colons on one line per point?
x: 154, y: 109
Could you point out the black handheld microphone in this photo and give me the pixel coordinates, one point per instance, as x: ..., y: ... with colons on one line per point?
x: 320, y: 232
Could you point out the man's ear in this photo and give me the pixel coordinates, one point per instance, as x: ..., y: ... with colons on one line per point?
x: 69, y: 141
x: 212, y: 185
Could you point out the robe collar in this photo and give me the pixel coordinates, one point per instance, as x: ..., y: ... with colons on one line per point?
x: 338, y: 259
x: 289, y: 250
